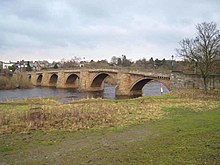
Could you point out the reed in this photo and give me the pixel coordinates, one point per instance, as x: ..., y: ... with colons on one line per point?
x: 16, y: 81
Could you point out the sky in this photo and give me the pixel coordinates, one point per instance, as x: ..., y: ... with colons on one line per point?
x: 99, y: 29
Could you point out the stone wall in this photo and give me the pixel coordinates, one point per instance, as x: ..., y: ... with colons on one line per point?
x: 180, y: 80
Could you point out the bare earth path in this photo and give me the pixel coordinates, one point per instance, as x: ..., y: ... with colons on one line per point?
x: 84, y: 147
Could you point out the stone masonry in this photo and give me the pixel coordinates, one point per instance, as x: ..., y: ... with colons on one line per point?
x: 180, y: 80
x: 127, y: 83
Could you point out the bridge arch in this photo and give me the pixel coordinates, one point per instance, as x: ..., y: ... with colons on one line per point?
x: 137, y: 87
x: 53, y: 79
x: 39, y: 79
x: 29, y: 77
x: 98, y: 80
x: 72, y: 81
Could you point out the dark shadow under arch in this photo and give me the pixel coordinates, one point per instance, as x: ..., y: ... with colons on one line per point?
x: 53, y: 79
x: 98, y: 80
x: 72, y: 79
x: 140, y: 84
x: 39, y: 79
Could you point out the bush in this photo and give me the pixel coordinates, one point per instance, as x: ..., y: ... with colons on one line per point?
x: 21, y: 81
x: 4, y: 82
x: 16, y: 81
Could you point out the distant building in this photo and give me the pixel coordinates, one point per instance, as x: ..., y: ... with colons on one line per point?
x: 39, y: 65
x: 32, y: 65
x: 24, y: 65
x: 19, y: 66
x: 7, y: 65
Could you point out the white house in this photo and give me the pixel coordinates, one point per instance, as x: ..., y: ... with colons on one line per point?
x: 7, y: 64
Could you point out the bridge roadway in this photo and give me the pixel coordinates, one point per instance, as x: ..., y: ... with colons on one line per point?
x: 127, y: 83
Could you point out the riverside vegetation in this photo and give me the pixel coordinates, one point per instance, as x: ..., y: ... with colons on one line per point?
x: 19, y: 80
x: 177, y: 128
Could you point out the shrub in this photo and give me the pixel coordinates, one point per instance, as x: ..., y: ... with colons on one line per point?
x: 16, y: 81
x: 6, y: 83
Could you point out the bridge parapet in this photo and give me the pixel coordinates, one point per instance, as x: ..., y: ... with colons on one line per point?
x: 151, y: 74
x: 71, y: 71
x: 103, y: 70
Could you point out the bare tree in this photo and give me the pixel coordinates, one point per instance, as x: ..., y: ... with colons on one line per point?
x: 203, y: 50
x: 114, y: 60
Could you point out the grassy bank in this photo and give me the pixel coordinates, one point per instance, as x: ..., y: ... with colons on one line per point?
x: 16, y: 81
x: 46, y: 114
x: 180, y: 128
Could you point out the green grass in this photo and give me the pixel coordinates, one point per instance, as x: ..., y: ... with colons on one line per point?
x: 186, y: 138
x: 187, y: 132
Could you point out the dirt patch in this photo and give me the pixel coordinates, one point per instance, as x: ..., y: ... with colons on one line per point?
x: 76, y: 148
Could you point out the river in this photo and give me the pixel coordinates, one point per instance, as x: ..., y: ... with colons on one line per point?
x: 65, y: 95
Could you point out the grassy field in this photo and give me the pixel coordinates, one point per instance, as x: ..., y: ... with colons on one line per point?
x: 178, y: 128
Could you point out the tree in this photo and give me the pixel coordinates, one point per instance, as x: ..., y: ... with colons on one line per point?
x: 141, y: 63
x: 151, y: 61
x: 157, y: 63
x: 125, y: 61
x: 55, y: 66
x: 119, y: 62
x: 114, y: 60
x: 164, y: 61
x: 28, y: 67
x: 12, y: 68
x: 203, y: 50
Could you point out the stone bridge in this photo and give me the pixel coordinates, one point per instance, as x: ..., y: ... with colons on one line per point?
x: 127, y: 83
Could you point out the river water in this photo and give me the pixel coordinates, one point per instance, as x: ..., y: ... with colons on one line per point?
x: 65, y: 95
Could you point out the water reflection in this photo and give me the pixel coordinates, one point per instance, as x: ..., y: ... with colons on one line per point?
x: 153, y: 89
x: 65, y: 95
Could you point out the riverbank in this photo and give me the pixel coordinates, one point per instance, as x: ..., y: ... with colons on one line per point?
x: 16, y: 81
x: 180, y: 128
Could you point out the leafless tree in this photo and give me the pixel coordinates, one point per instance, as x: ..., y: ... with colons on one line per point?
x: 114, y: 60
x: 203, y: 50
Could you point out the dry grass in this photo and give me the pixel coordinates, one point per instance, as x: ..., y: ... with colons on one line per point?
x: 6, y: 83
x: 17, y: 81
x: 46, y: 114
x: 50, y: 115
x: 195, y: 94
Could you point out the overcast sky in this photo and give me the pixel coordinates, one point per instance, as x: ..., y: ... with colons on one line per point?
x: 99, y: 29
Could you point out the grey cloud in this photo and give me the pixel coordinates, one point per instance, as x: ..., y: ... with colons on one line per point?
x: 100, y: 24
